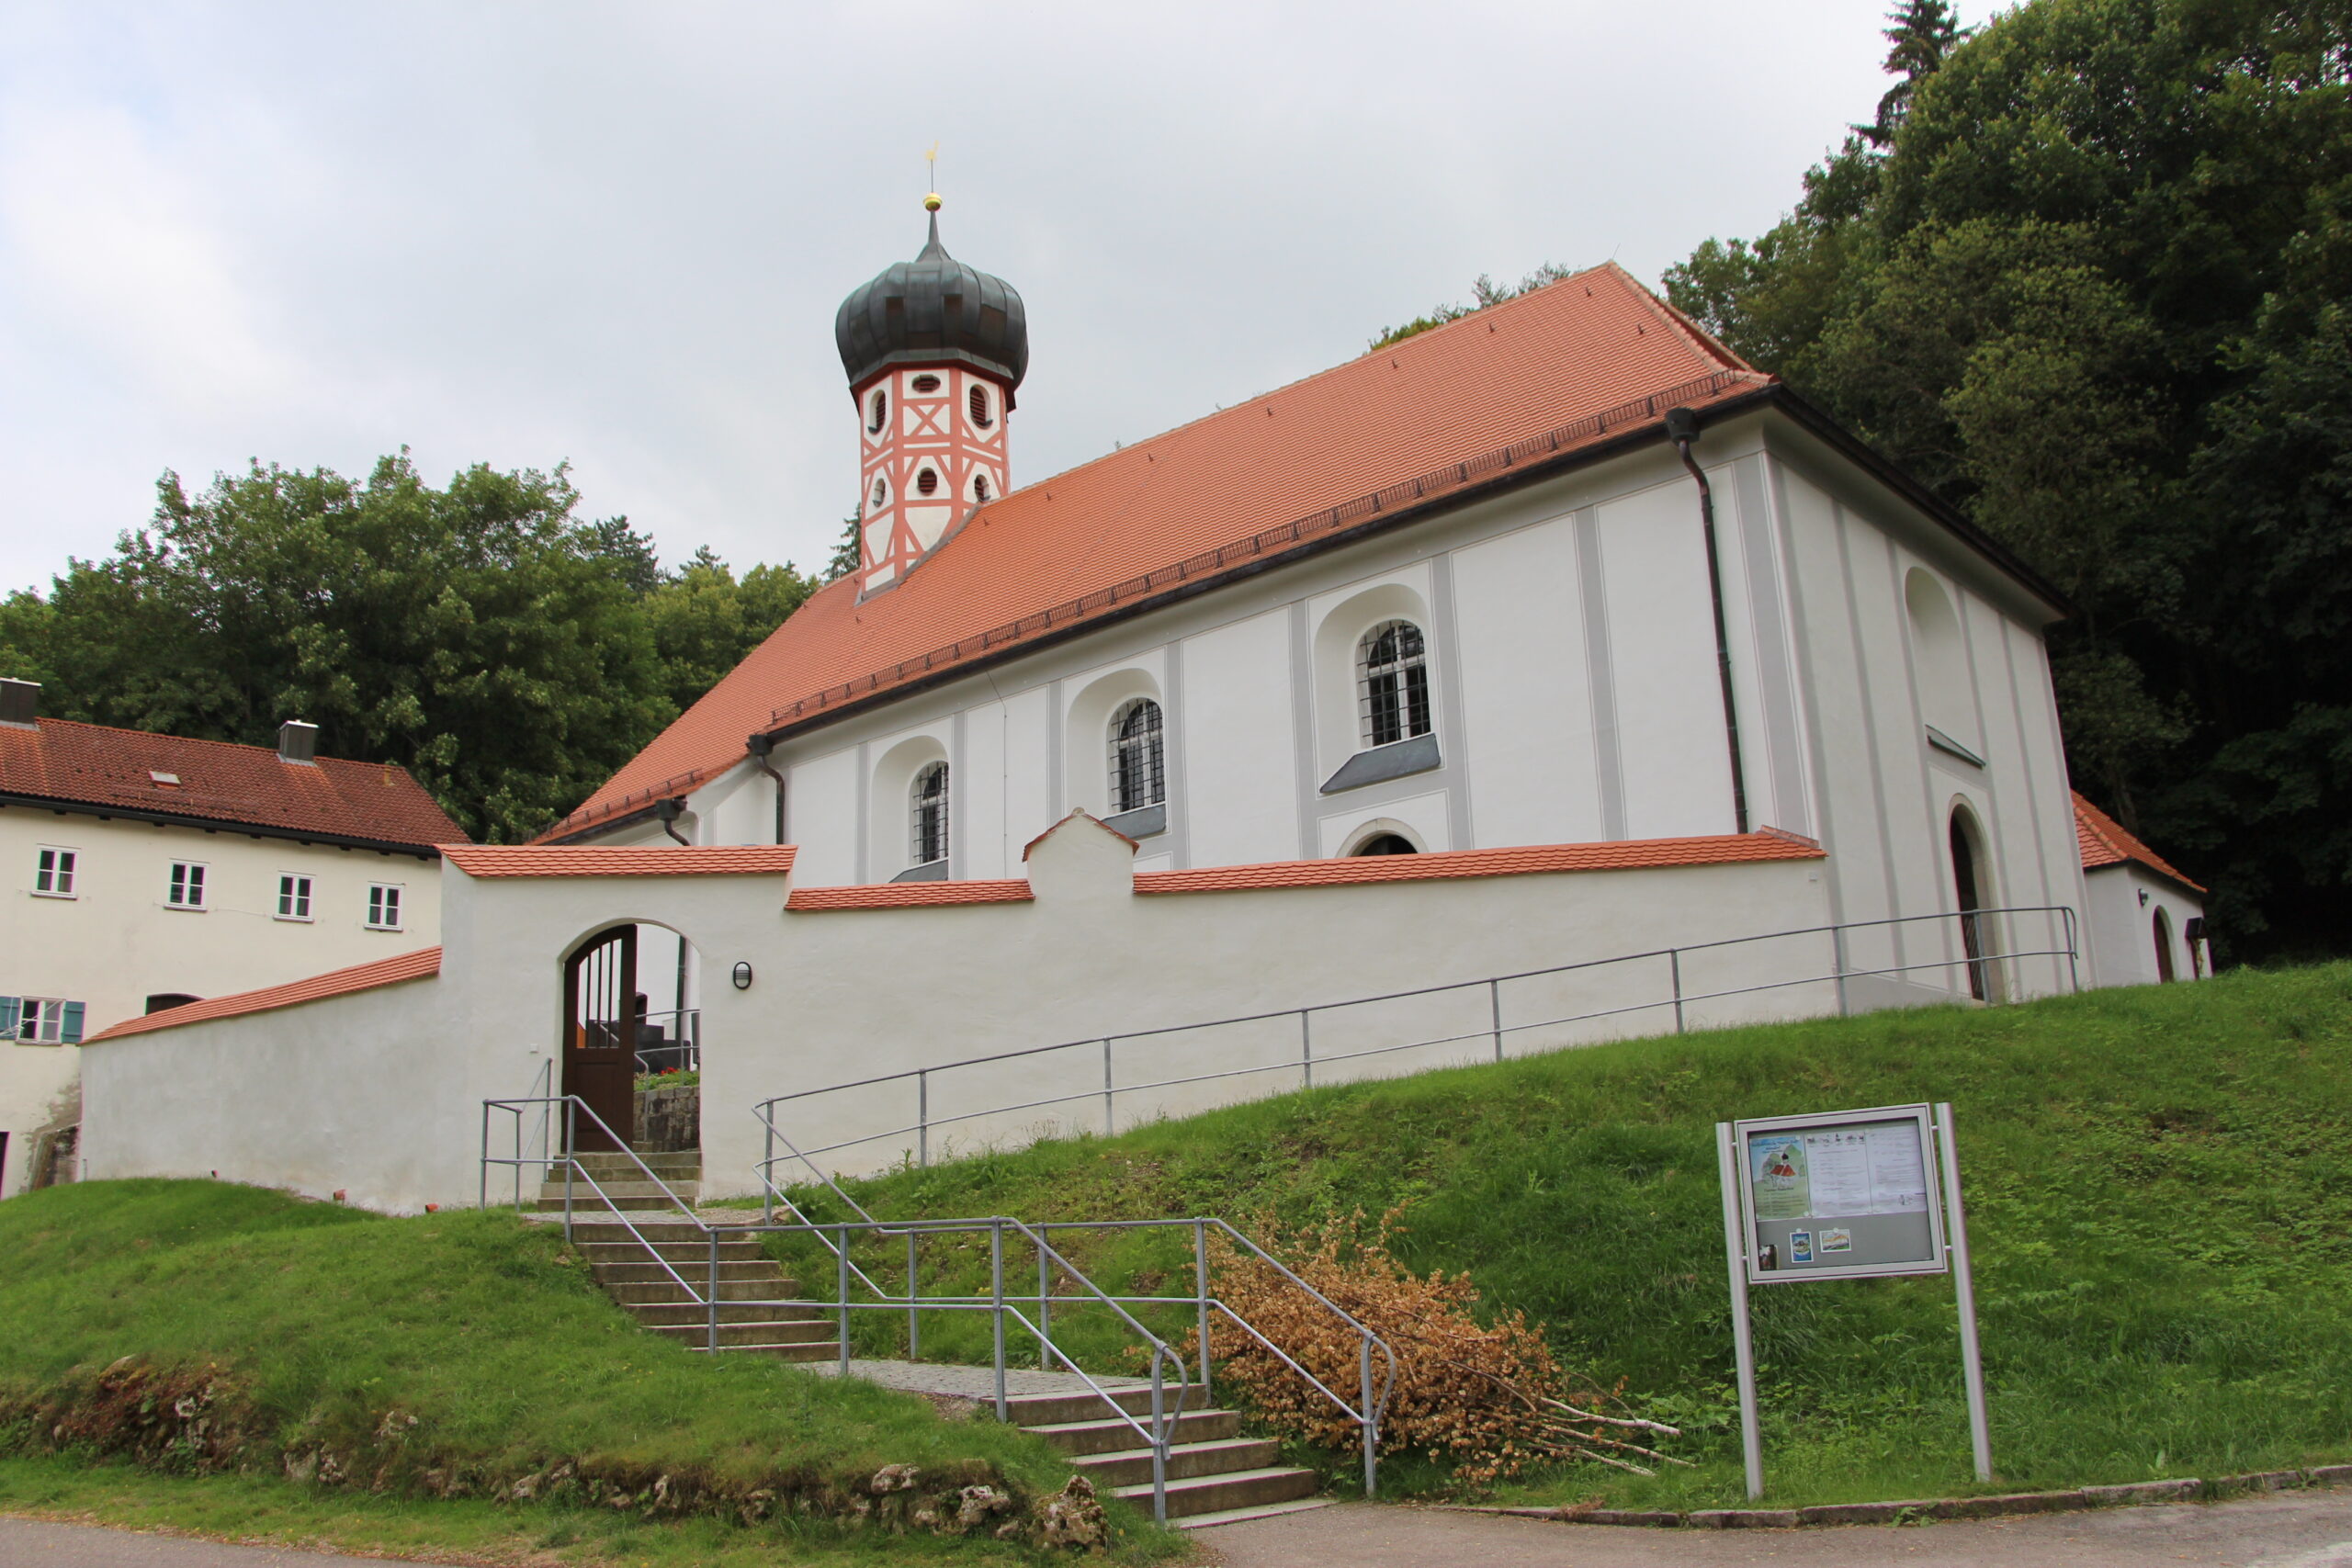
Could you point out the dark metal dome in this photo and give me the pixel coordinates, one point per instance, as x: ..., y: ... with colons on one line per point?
x: 932, y: 310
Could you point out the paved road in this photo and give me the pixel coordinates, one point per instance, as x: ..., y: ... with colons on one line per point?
x: 2294, y: 1530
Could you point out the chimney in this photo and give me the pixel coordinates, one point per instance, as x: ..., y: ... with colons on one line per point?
x: 20, y: 700
x: 298, y: 742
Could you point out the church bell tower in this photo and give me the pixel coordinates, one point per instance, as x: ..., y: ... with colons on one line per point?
x: 933, y: 350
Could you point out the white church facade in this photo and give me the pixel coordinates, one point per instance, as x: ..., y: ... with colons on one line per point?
x: 1554, y: 665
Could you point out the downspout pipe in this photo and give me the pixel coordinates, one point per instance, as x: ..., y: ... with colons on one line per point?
x: 669, y: 811
x: 1682, y: 429
x: 761, y: 747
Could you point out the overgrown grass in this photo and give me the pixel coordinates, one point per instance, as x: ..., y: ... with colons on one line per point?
x: 2159, y: 1184
x: 486, y: 1330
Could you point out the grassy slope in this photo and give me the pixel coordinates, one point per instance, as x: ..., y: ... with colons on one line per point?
x: 2159, y: 1192
x: 486, y: 1329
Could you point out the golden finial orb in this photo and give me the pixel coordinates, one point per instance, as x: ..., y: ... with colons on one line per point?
x: 931, y: 203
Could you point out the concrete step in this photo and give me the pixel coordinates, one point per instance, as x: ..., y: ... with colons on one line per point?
x: 691, y: 1314
x: 767, y: 1332
x: 773, y: 1286
x: 1235, y: 1516
x: 687, y: 1161
x: 1233, y: 1490
x: 1111, y: 1434
x: 663, y: 1230
x: 641, y: 1269
x: 1057, y: 1409
x: 634, y: 1197
x: 693, y: 1262
x: 1186, y: 1461
x: 816, y: 1350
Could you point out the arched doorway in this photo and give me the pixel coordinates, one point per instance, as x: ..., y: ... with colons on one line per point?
x: 1386, y: 844
x: 601, y: 1014
x: 2162, y: 927
x: 1968, y: 886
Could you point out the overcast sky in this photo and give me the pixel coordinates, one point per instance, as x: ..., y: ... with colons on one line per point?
x: 525, y: 232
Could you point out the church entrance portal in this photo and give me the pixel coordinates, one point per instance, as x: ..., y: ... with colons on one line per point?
x: 1972, y: 933
x: 601, y: 1019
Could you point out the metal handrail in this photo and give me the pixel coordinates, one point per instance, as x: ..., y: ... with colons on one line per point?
x: 1366, y: 1415
x: 1679, y: 1001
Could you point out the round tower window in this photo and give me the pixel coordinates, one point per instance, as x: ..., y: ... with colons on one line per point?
x: 927, y: 481
x: 925, y: 384
x: 881, y: 494
x: 881, y: 411
x: 979, y: 487
x: 980, y: 405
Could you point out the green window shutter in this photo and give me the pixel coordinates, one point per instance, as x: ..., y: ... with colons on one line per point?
x: 73, y: 1035
x: 9, y: 1008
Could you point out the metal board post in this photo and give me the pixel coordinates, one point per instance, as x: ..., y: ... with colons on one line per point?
x: 1971, y: 1357
x: 1743, y: 1340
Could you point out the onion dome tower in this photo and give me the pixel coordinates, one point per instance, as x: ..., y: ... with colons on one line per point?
x: 933, y: 350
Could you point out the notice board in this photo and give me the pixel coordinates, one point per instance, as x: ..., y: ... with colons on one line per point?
x: 1841, y: 1196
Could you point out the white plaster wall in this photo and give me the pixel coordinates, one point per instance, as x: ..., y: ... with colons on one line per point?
x: 2123, y: 929
x: 116, y: 941
x: 1241, y: 768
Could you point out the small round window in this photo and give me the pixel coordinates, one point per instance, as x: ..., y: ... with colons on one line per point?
x: 925, y: 384
x: 881, y: 494
x: 927, y: 481
x: 979, y: 487
x: 979, y: 406
x: 877, y: 411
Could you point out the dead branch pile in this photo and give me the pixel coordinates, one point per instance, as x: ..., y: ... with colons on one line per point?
x: 1488, y: 1400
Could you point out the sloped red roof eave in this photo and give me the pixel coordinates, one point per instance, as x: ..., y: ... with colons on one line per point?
x: 2103, y: 841
x: 424, y: 964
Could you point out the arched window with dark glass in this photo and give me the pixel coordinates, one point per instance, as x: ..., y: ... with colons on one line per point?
x: 1139, y: 768
x: 927, y: 840
x: 978, y: 404
x: 880, y: 412
x: 1392, y: 682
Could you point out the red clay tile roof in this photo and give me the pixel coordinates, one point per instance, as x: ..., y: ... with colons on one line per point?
x: 2104, y: 842
x: 94, y: 765
x: 1632, y: 854
x: 908, y: 895
x: 1583, y: 360
x: 1080, y: 813
x: 422, y: 964
x: 617, y: 860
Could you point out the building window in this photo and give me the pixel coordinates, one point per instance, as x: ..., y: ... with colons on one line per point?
x: 1386, y: 844
x: 1392, y: 682
x: 2161, y: 928
x: 928, y: 816
x: 881, y: 494
x: 979, y: 487
x: 186, y: 891
x: 383, y: 907
x: 926, y: 480
x: 54, y: 873
x: 1138, y: 770
x: 878, y: 411
x: 979, y: 406
x: 40, y: 1021
x: 925, y: 383
x: 293, y: 897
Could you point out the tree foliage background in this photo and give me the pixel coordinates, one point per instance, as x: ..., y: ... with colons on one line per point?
x: 509, y: 653
x: 2089, y: 272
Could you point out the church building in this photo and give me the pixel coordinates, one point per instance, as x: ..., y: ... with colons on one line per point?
x: 1553, y: 667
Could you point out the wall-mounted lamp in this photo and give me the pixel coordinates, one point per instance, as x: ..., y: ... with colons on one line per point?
x: 742, y: 976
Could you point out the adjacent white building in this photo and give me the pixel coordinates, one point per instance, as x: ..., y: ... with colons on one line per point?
x: 1668, y: 686
x: 142, y: 871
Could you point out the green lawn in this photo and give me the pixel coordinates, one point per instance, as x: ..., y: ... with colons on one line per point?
x: 451, y: 1353
x: 2159, y: 1184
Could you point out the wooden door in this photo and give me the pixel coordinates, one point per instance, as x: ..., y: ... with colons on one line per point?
x: 600, y: 1016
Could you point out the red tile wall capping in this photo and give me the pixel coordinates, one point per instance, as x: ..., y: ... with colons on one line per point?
x: 1769, y: 844
x: 95, y: 764
x: 422, y: 964
x: 907, y: 896
x: 617, y: 860
x: 1580, y: 361
x: 2104, y: 842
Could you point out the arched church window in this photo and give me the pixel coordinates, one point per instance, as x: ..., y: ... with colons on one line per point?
x: 928, y: 815
x: 926, y: 481
x: 979, y: 487
x: 1386, y: 844
x: 1392, y: 682
x: 1138, y: 766
x: 877, y: 411
x: 978, y: 403
x: 925, y: 384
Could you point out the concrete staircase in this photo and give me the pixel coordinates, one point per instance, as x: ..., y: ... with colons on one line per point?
x: 1216, y: 1476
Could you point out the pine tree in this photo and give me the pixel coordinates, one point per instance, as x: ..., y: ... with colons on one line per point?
x: 1921, y: 32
